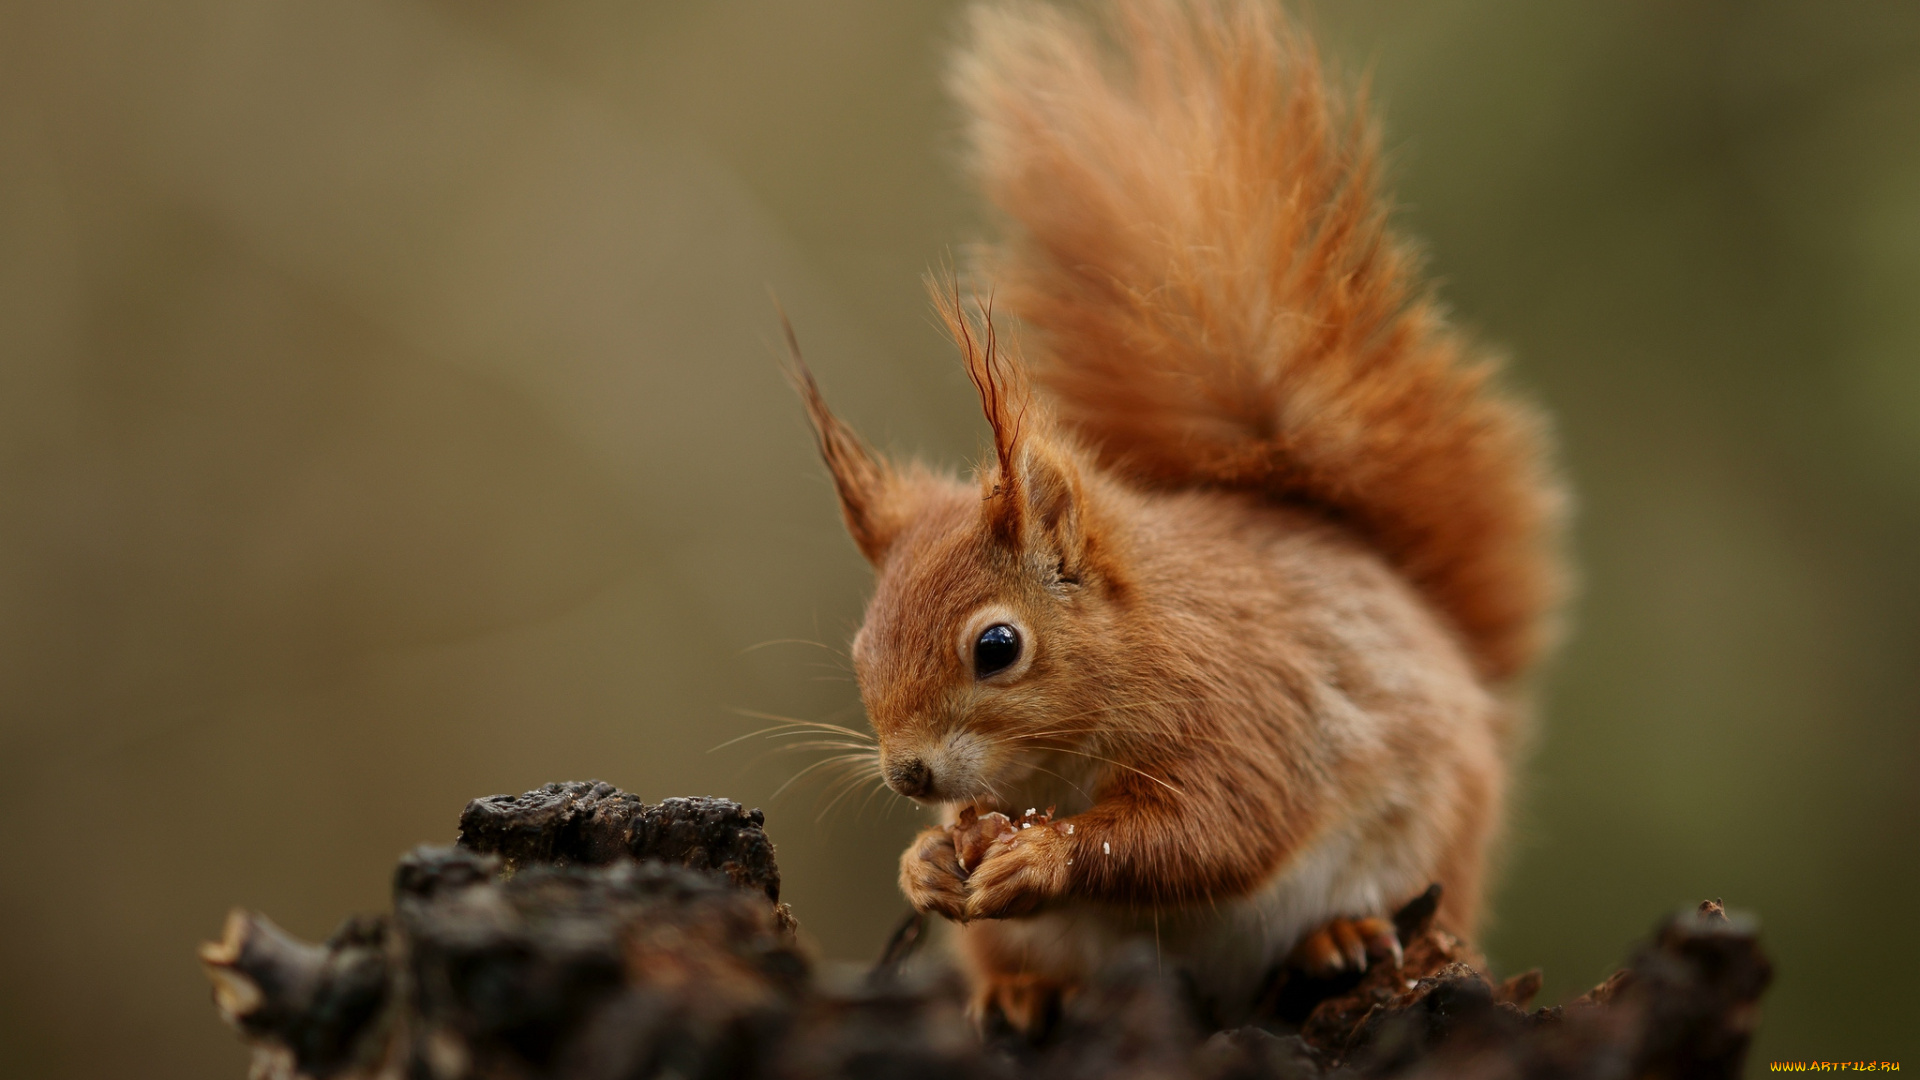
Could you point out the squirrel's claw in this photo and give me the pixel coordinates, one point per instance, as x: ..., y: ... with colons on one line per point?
x: 1347, y: 945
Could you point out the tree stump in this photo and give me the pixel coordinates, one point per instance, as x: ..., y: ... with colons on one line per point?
x: 577, y: 932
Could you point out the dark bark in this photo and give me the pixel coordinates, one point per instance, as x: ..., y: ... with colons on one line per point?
x: 593, y: 823
x: 577, y: 932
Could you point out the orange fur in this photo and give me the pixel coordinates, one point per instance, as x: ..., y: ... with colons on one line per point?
x: 1271, y: 544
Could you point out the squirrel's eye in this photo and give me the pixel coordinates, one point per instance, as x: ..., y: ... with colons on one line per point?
x: 997, y: 648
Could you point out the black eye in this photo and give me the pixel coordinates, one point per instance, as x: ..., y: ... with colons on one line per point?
x: 997, y: 649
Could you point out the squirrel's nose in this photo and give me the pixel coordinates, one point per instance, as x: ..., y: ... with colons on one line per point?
x: 910, y: 777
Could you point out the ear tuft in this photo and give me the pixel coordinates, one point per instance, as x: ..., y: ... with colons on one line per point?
x: 1034, y: 498
x: 1005, y: 396
x: 871, y: 495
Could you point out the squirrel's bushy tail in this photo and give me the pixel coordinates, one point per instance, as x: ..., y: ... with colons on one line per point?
x: 1195, y: 240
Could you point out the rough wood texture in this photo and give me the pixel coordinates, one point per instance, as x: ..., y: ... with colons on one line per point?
x: 593, y: 823
x: 577, y: 932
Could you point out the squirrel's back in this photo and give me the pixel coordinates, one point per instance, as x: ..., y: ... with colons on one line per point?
x: 1196, y: 247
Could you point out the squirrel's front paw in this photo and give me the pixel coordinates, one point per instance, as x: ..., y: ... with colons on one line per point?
x: 931, y: 877
x: 1019, y: 873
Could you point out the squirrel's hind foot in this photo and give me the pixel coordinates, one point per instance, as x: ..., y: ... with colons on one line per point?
x: 1346, y: 945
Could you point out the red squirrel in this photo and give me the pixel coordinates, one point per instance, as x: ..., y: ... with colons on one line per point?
x: 1247, y: 588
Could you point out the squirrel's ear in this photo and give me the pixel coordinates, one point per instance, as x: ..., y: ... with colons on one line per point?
x: 1047, y: 504
x: 872, y: 498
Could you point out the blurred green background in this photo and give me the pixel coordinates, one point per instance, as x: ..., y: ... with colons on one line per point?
x: 389, y: 416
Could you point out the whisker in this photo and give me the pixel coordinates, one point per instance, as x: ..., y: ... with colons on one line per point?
x: 854, y: 781
x: 1062, y: 779
x: 1122, y: 765
x: 820, y: 744
x: 835, y: 743
x: 779, y: 731
x: 1186, y: 736
x: 741, y: 739
x: 847, y: 788
x: 788, y: 727
x: 790, y: 641
x: 862, y: 751
x: 879, y: 785
x: 1129, y: 705
x: 791, y: 720
x: 838, y: 778
x: 995, y: 793
x: 824, y: 737
x: 822, y: 763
